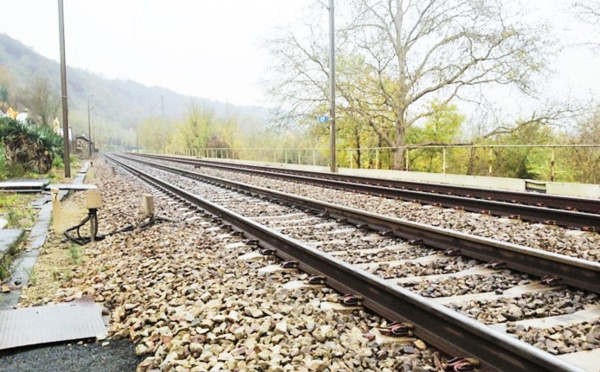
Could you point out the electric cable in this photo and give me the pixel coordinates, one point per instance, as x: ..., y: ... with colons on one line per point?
x: 93, y: 218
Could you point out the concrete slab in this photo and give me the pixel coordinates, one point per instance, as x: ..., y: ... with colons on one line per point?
x: 490, y: 296
x: 236, y: 245
x: 51, y: 323
x: 8, y: 239
x: 423, y: 260
x: 252, y: 256
x: 477, y: 270
x: 337, y: 307
x: 586, y: 360
x: 274, y: 269
x: 566, y: 320
x: 71, y: 186
x: 300, y: 284
x: 41, y: 201
x: 32, y: 185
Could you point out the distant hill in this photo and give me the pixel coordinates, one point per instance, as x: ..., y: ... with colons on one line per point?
x: 118, y: 104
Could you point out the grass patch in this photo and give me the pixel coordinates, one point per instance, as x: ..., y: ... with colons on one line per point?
x: 8, y: 200
x: 7, y: 260
x: 32, y: 275
x: 5, y: 266
x: 75, y: 254
x: 17, y: 210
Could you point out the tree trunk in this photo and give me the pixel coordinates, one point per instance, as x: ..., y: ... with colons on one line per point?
x: 400, y: 140
x: 398, y: 159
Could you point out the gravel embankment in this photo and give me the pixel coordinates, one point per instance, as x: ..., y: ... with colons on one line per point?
x: 584, y: 245
x: 179, y: 292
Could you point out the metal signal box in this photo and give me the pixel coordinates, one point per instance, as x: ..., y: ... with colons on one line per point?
x: 94, y: 199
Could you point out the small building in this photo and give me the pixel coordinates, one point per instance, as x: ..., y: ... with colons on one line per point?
x: 82, y: 146
x: 22, y: 117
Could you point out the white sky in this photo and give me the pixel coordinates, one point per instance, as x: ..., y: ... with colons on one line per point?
x: 210, y: 48
x: 204, y: 48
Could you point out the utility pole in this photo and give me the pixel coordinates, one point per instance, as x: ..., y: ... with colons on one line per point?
x: 63, y: 84
x: 90, y: 123
x: 332, y: 147
x: 162, y: 123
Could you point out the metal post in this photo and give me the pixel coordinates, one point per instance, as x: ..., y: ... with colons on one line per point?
x: 376, y: 158
x: 314, y: 157
x: 407, y: 160
x: 490, y: 163
x: 444, y: 160
x: 162, y: 120
x: 90, y: 123
x: 552, y: 166
x: 351, y: 160
x: 63, y: 85
x: 332, y: 147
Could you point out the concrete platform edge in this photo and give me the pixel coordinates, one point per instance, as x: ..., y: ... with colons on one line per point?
x: 37, y: 237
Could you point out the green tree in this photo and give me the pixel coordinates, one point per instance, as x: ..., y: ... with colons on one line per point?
x: 150, y: 136
x: 442, y: 127
x: 582, y: 164
x: 197, y: 128
x: 523, y: 162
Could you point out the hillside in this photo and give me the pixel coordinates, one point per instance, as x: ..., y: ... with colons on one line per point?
x: 118, y: 105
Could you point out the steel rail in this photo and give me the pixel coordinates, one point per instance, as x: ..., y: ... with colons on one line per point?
x: 567, y: 203
x: 447, y: 330
x: 572, y: 271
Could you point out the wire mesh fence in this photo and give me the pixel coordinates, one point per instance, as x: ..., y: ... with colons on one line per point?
x: 567, y: 163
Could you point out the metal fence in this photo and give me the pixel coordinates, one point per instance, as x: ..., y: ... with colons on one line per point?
x: 569, y: 163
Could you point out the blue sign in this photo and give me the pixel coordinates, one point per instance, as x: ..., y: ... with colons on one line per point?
x: 323, y: 119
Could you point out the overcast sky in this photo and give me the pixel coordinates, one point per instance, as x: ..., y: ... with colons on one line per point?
x: 202, y: 48
x: 209, y: 48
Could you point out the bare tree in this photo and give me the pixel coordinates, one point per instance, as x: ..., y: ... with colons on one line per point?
x: 43, y: 101
x: 589, y: 12
x: 411, y: 52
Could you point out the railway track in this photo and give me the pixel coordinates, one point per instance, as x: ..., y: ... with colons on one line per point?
x: 354, y: 249
x: 579, y: 213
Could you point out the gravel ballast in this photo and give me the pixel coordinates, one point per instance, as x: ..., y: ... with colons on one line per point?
x: 179, y: 292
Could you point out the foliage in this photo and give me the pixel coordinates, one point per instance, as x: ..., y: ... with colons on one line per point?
x: 31, y: 148
x: 13, y: 217
x: 7, y: 200
x: 43, y: 102
x: 3, y: 169
x: 43, y: 135
x: 5, y: 267
x: 75, y: 254
x: 202, y: 129
x: 151, y: 136
x: 442, y: 127
x: 582, y: 164
x: 58, y: 162
x: 397, y: 56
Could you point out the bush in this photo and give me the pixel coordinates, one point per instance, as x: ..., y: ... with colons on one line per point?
x: 27, y: 148
x: 58, y: 162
